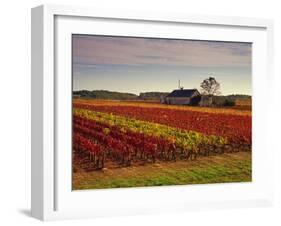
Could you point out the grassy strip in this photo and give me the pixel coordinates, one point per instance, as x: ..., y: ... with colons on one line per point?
x: 217, y: 169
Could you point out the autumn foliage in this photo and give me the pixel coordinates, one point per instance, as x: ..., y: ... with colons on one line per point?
x: 129, y: 134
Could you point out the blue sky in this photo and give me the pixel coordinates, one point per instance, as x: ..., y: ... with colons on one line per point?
x: 134, y: 65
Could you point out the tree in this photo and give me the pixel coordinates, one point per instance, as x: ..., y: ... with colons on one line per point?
x: 210, y: 87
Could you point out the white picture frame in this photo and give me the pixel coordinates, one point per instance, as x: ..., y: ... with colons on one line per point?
x: 52, y: 198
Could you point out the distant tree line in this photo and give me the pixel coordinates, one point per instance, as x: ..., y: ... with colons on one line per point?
x: 152, y: 95
x: 105, y: 94
x: 211, y: 88
x: 228, y: 100
x: 110, y: 95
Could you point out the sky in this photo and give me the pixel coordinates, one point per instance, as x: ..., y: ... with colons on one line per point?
x: 134, y: 65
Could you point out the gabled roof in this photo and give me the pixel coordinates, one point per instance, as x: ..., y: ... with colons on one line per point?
x: 182, y: 93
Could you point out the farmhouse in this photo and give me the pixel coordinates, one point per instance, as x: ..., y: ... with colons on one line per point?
x: 183, y: 97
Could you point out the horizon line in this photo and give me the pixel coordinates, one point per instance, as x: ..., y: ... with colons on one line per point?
x: 153, y: 92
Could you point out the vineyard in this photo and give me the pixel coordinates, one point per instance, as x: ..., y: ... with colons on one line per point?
x: 109, y: 134
x: 155, y: 111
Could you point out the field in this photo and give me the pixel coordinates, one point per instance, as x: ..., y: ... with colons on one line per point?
x: 130, y: 144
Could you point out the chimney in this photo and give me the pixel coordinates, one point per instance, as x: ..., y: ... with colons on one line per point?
x: 180, y: 87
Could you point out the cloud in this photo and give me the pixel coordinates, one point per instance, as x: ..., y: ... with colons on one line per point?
x: 104, y: 50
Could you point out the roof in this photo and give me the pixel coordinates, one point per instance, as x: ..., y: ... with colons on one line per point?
x: 182, y: 93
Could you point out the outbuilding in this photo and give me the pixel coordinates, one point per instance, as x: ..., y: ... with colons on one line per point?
x: 183, y: 97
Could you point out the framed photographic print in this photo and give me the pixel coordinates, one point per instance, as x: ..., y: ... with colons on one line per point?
x: 137, y: 112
